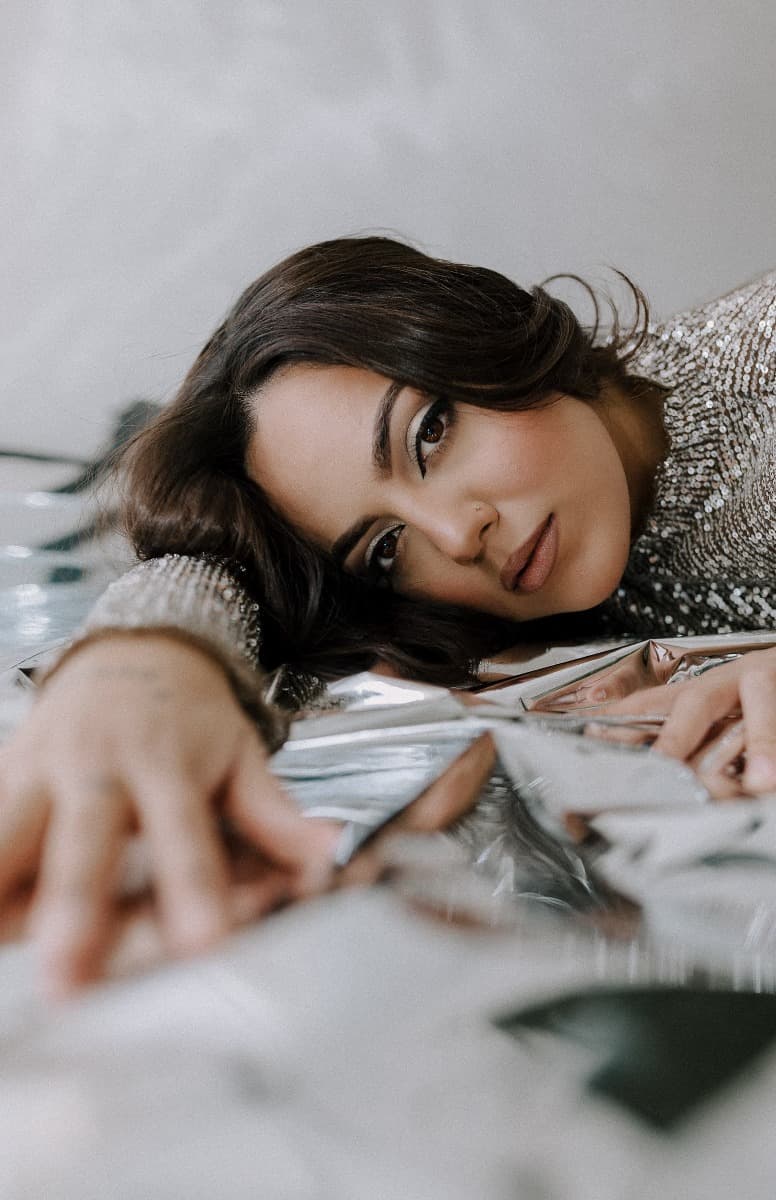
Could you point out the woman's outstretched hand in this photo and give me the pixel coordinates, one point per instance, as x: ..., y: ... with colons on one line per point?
x: 144, y: 734
x: 715, y: 722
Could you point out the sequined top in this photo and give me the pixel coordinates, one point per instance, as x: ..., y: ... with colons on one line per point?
x: 706, y: 561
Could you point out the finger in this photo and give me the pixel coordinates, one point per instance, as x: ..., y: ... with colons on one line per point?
x: 717, y: 763
x: 256, y: 885
x: 615, y: 684
x: 629, y: 735
x: 72, y: 913
x: 189, y: 863
x: 22, y: 822
x: 14, y: 916
x: 250, y: 900
x: 269, y: 818
x: 697, y: 709
x: 655, y: 701
x: 139, y: 943
x: 758, y: 705
x: 448, y: 799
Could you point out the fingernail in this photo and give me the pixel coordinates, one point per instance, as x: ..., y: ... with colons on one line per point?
x: 56, y: 974
x: 198, y: 927
x: 64, y: 951
x: 328, y: 836
x: 708, y: 762
x: 55, y: 986
x: 55, y: 932
x: 250, y: 902
x: 316, y: 877
x: 760, y: 772
x: 315, y: 874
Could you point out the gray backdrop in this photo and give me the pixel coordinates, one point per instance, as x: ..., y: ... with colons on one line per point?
x: 157, y: 156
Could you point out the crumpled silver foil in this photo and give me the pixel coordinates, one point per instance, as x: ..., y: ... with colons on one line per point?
x: 605, y: 674
x: 700, y: 874
x: 567, y: 821
x: 363, y: 777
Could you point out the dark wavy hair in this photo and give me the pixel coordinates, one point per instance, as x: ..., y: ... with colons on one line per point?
x: 466, y: 332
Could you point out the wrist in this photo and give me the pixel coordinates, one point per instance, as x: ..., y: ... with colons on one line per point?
x: 245, y: 683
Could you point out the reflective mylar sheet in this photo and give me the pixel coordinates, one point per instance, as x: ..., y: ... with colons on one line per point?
x: 568, y: 819
x: 48, y: 578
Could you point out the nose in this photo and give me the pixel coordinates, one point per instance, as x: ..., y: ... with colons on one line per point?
x: 458, y: 529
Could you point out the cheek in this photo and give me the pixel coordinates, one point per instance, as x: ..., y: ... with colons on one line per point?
x: 432, y: 576
x: 563, y: 452
x: 518, y: 453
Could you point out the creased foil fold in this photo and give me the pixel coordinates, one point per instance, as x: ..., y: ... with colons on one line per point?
x: 701, y: 874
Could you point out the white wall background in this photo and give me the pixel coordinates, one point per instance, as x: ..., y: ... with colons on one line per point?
x: 156, y: 156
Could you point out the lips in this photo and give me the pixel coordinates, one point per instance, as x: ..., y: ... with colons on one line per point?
x: 528, y: 567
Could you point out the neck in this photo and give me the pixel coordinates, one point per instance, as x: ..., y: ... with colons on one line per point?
x: 635, y: 423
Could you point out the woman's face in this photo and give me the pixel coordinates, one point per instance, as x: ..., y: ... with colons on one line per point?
x: 519, y: 514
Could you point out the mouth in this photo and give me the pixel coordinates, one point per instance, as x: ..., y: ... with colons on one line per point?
x: 528, y: 568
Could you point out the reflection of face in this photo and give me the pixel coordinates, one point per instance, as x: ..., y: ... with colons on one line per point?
x: 457, y: 500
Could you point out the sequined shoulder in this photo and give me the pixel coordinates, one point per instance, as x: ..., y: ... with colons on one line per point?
x: 730, y: 340
x: 706, y: 561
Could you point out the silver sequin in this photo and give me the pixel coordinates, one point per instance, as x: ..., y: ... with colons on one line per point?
x: 706, y: 560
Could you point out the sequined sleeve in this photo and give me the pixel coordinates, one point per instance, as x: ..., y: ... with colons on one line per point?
x: 202, y: 596
x: 198, y: 600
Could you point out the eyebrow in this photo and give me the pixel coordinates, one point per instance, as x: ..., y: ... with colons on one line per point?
x: 381, y: 437
x: 381, y: 458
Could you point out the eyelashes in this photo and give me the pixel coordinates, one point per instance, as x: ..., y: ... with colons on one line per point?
x: 382, y: 550
x: 426, y: 438
x: 431, y: 430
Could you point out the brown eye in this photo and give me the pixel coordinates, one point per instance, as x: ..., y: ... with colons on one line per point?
x: 386, y: 547
x: 431, y: 432
x: 381, y: 553
x: 432, y: 429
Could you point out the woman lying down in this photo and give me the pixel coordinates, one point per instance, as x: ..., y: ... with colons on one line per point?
x: 381, y: 457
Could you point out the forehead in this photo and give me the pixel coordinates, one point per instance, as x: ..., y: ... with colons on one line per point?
x: 311, y: 446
